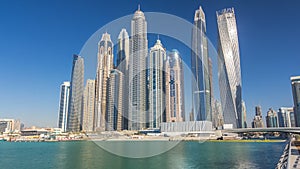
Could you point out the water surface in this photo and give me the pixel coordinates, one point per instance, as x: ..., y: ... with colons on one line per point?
x: 187, y: 155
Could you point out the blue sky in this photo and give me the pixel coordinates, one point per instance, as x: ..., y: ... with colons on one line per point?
x: 38, y: 39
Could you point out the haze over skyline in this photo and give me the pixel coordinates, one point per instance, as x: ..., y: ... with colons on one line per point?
x: 38, y: 40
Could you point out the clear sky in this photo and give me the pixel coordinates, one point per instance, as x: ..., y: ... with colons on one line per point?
x: 38, y: 38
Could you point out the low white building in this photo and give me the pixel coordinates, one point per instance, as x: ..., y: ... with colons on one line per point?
x: 188, y: 126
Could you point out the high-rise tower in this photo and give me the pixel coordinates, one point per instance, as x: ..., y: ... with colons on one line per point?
x: 123, y: 66
x: 295, y: 80
x: 174, y: 87
x: 200, y: 68
x: 123, y: 51
x: 285, y: 118
x: 105, y: 65
x: 244, y: 115
x: 229, y: 68
x: 115, y: 107
x: 137, y: 72
x: 76, y: 95
x: 89, y: 106
x: 64, y: 106
x: 258, y: 111
x: 271, y: 118
x: 257, y: 121
x: 156, y: 84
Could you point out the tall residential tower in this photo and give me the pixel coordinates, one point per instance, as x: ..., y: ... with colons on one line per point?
x: 175, y: 110
x: 137, y: 72
x: 285, y: 118
x: 89, y: 106
x: 76, y: 95
x: 257, y: 121
x: 156, y: 84
x: 200, y: 68
x: 271, y: 118
x: 105, y: 65
x: 296, y: 95
x: 64, y: 106
x: 114, y: 116
x: 123, y: 66
x: 229, y: 68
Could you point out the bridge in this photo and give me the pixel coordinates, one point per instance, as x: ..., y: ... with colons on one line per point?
x: 292, y: 130
x: 290, y: 158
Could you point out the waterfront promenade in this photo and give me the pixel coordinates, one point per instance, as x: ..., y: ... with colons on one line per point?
x: 294, y: 157
x: 290, y: 159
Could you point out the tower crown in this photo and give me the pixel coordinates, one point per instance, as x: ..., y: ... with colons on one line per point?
x: 138, y: 13
x: 199, y: 15
x: 105, y: 37
x: 158, y: 45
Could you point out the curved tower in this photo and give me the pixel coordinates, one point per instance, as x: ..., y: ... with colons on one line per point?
x: 229, y: 68
x: 76, y: 95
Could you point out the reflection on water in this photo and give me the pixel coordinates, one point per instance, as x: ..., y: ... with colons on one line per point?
x: 137, y: 149
x: 77, y: 155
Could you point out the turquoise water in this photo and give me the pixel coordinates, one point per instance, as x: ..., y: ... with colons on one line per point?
x: 87, y: 155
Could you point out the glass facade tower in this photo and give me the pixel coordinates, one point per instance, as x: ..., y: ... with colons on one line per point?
x: 200, y: 68
x: 76, y: 95
x: 296, y: 95
x: 64, y: 106
x: 123, y: 66
x: 229, y: 68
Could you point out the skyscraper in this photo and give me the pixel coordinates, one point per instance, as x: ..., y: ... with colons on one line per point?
x: 76, y: 95
x: 156, y: 88
x: 89, y: 106
x: 137, y: 72
x: 174, y: 87
x: 257, y: 121
x: 123, y: 51
x: 219, y: 113
x: 244, y: 115
x: 64, y: 106
x: 258, y: 111
x: 296, y: 95
x: 284, y: 117
x: 115, y: 107
x: 214, y: 117
x: 105, y: 65
x: 200, y: 68
x: 271, y: 118
x: 229, y: 68
x: 123, y: 66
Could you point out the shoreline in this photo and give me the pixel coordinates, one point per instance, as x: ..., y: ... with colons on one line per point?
x: 158, y: 140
